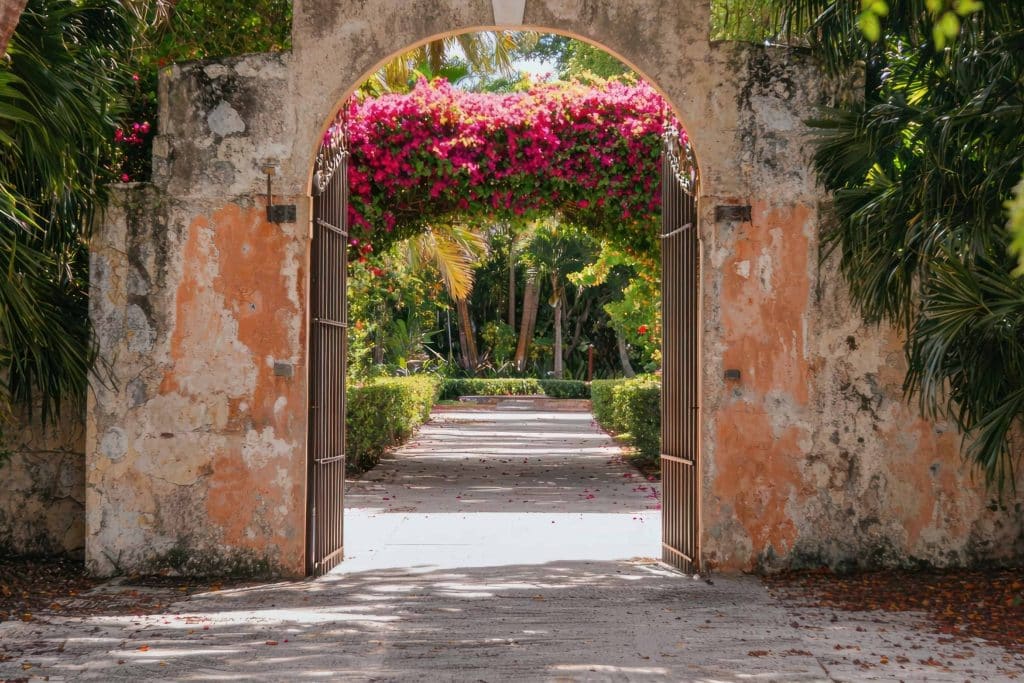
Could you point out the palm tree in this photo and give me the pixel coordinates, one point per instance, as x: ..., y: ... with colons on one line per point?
x: 452, y: 249
x: 485, y: 53
x: 59, y: 99
x: 553, y: 250
x: 920, y: 167
x: 528, y: 320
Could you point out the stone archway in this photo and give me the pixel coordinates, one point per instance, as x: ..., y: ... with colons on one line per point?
x: 196, y: 454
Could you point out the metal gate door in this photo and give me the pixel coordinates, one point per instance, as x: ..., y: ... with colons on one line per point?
x: 328, y: 347
x: 680, y: 411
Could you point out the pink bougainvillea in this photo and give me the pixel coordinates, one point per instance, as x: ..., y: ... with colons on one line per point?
x: 588, y: 152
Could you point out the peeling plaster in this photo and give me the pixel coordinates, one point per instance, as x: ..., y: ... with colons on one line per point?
x: 812, y: 458
x: 224, y: 120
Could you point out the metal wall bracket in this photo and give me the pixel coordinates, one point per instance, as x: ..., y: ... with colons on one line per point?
x: 281, y: 213
x: 276, y: 213
x: 733, y: 212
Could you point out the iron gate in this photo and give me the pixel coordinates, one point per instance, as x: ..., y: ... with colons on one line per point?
x: 328, y: 348
x: 680, y: 319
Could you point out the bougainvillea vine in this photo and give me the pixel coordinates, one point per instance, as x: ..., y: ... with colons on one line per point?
x: 589, y: 153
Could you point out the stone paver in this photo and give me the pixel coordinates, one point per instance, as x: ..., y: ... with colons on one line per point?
x: 449, y: 581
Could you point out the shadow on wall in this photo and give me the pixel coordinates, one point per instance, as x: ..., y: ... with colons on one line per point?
x: 42, y: 479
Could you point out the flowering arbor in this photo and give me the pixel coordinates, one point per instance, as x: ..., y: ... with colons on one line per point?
x: 590, y: 153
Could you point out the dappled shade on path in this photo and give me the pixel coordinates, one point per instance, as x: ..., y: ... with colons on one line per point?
x: 506, y: 461
x: 454, y: 582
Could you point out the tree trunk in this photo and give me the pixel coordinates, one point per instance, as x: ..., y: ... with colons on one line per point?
x: 528, y: 321
x: 10, y: 15
x: 467, y: 340
x: 512, y: 285
x: 580, y: 320
x: 627, y: 369
x: 559, y: 361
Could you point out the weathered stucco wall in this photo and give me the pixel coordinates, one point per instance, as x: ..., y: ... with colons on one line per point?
x: 42, y: 486
x: 813, y: 457
x: 198, y: 453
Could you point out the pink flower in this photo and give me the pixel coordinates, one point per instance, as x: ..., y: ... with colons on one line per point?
x: 548, y: 148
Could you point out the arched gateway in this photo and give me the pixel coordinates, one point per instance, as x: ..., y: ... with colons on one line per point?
x: 197, y: 454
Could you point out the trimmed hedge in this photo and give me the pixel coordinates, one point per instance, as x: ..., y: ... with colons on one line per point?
x: 383, y: 413
x: 601, y: 395
x: 630, y: 406
x: 555, y: 388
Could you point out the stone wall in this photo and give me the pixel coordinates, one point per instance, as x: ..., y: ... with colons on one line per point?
x: 197, y: 454
x: 813, y: 456
x: 42, y: 479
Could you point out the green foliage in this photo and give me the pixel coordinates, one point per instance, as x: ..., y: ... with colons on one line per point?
x: 501, y: 340
x: 383, y: 413
x: 59, y: 103
x: 637, y: 312
x: 921, y: 168
x: 188, y: 30
x: 554, y: 388
x: 564, y: 388
x: 1015, y: 210
x: 838, y: 27
x: 633, y: 407
x: 602, y: 394
x: 406, y: 340
x: 574, y: 59
x: 753, y: 21
x: 480, y: 60
x: 637, y: 405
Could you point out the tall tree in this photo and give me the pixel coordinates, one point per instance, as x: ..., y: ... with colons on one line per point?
x: 553, y: 251
x: 456, y: 58
x: 452, y: 249
x: 528, y: 319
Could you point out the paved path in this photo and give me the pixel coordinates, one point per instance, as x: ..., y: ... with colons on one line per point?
x: 493, y: 488
x: 449, y: 581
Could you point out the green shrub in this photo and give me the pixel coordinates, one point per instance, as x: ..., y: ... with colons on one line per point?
x: 565, y: 388
x: 555, y: 388
x: 630, y: 406
x: 637, y: 403
x: 601, y: 395
x: 383, y: 413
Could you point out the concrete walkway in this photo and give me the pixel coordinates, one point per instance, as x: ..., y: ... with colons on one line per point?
x: 499, y: 546
x: 501, y: 487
